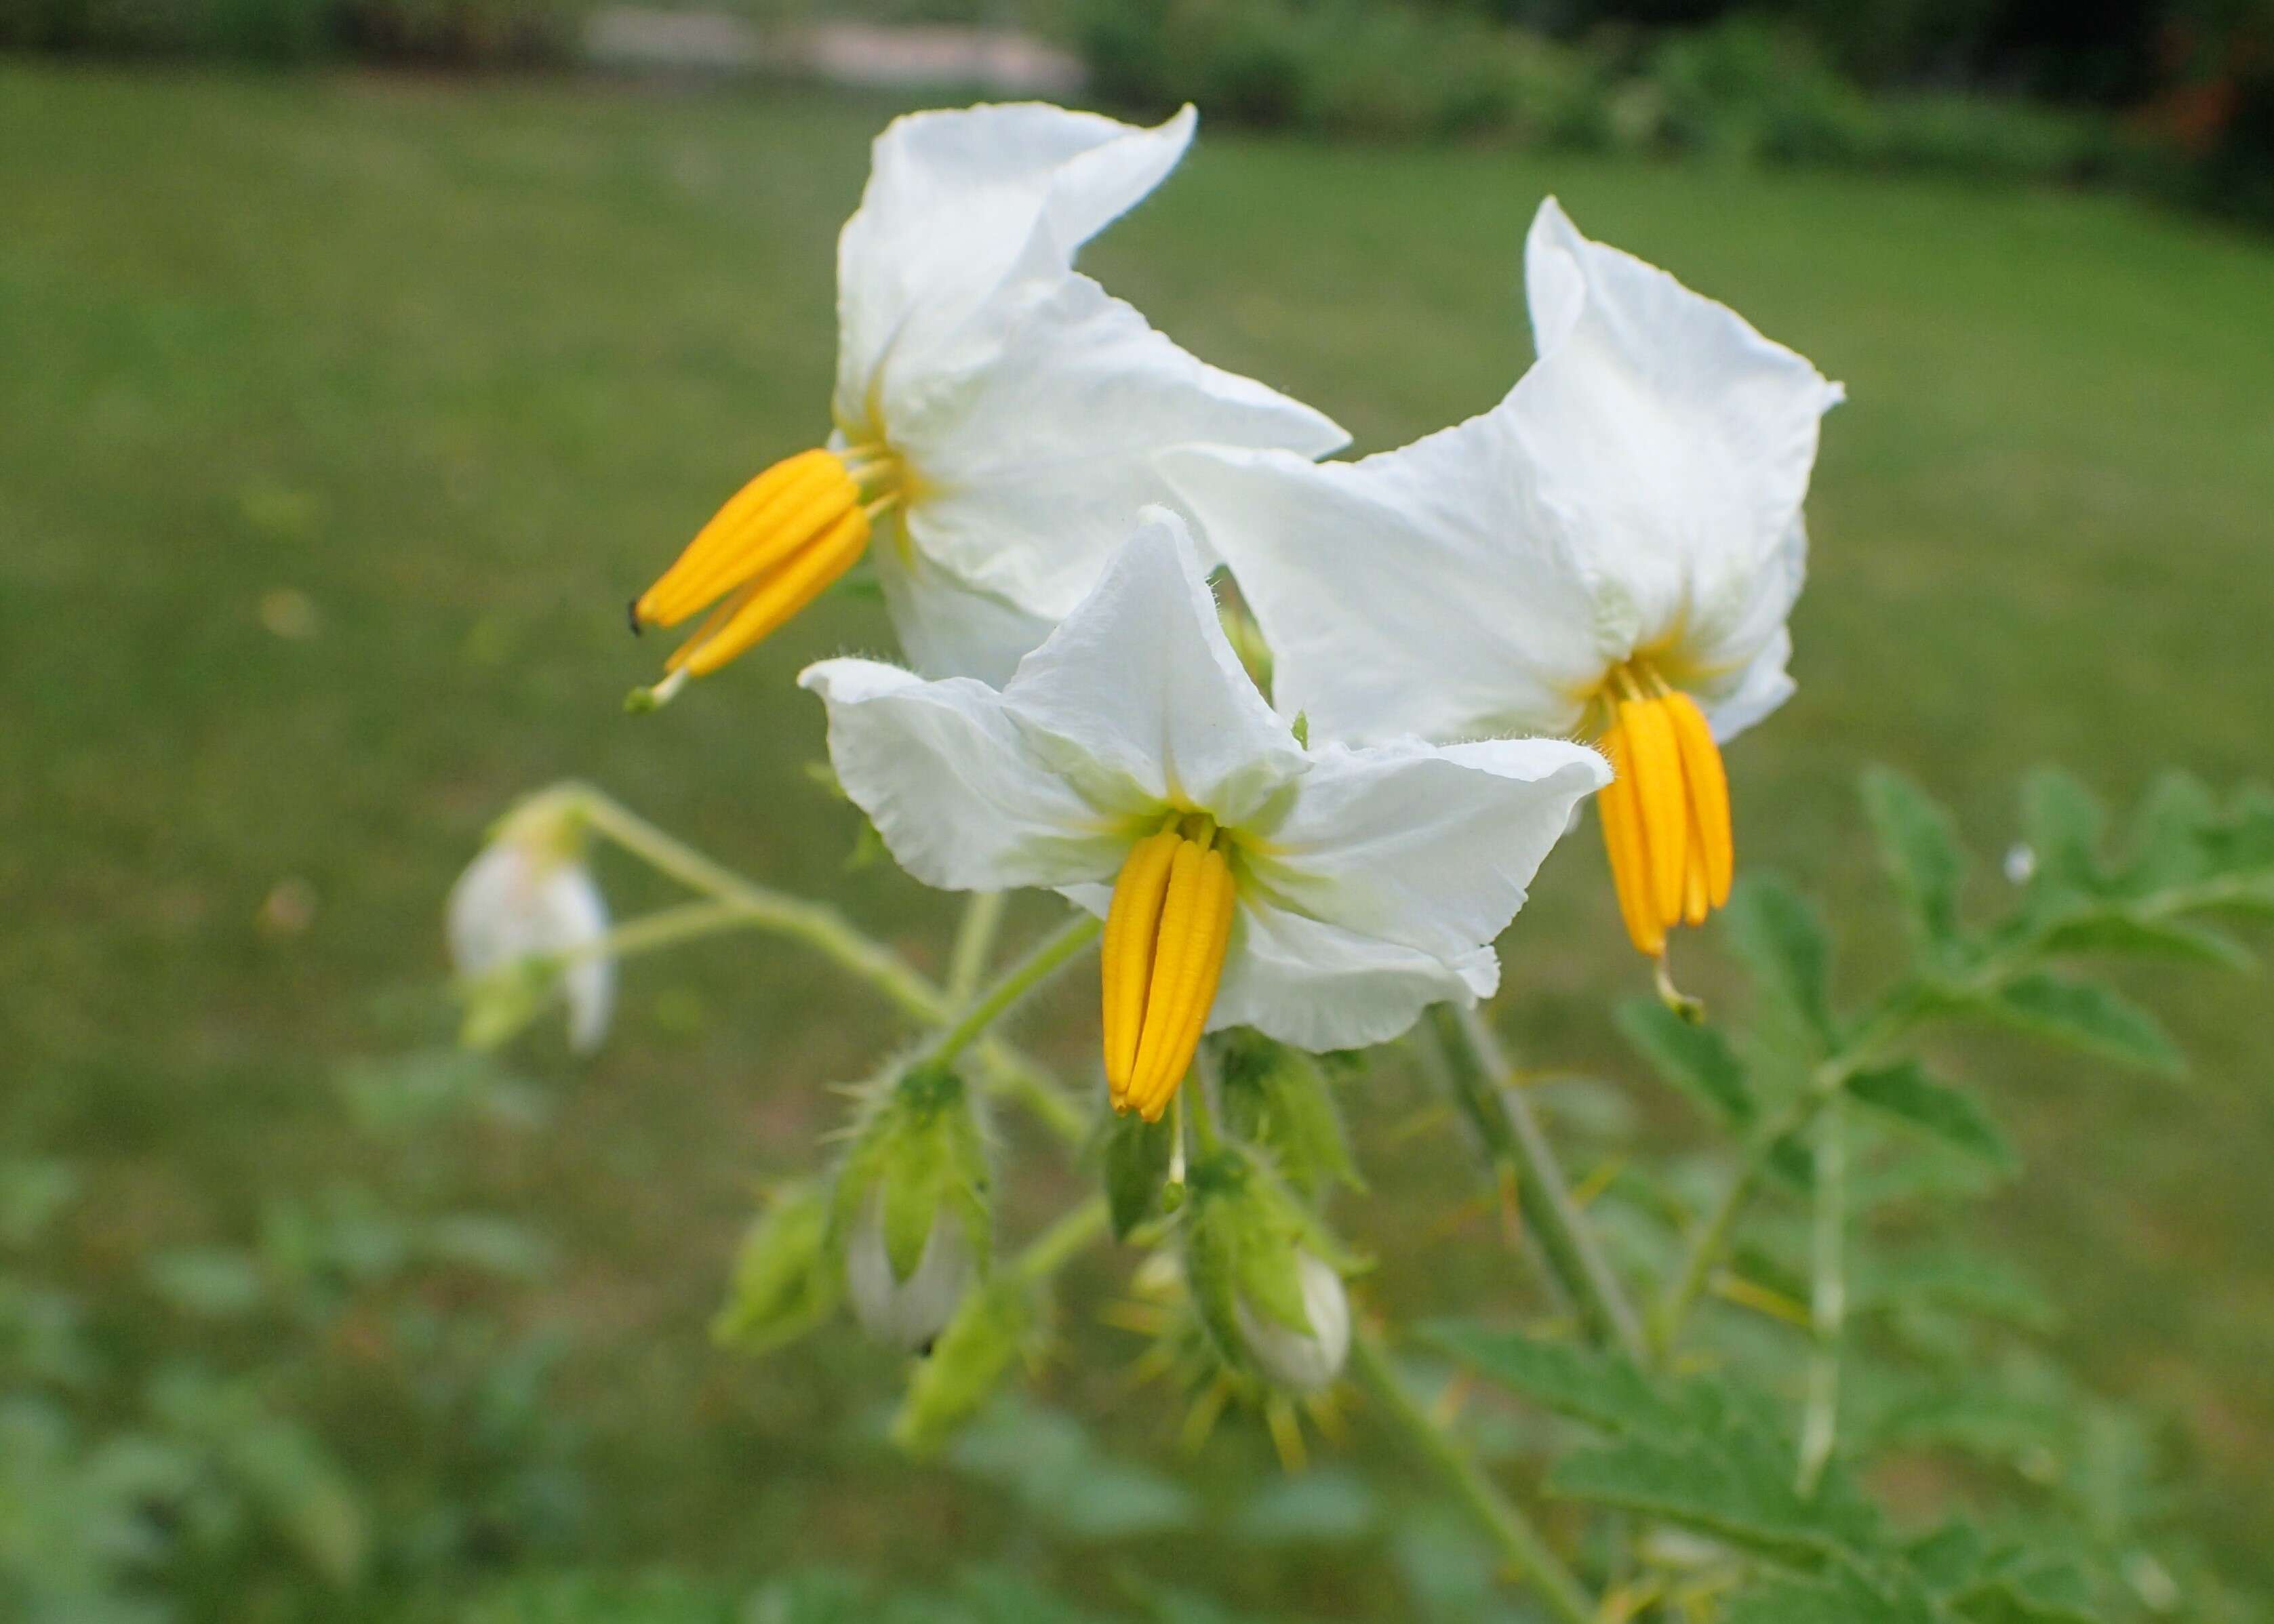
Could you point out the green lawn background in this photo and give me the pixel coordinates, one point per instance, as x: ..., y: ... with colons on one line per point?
x: 463, y: 363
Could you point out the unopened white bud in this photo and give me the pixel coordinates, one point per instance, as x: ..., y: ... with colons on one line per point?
x: 1298, y: 1362
x: 2020, y: 863
x: 528, y: 896
x: 906, y: 1314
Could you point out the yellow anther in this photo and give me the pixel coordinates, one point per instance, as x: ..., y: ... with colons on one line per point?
x: 1666, y: 813
x: 1166, y: 934
x: 772, y: 550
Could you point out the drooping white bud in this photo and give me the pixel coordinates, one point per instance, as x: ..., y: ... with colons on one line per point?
x: 528, y: 897
x: 2020, y: 863
x: 1300, y: 1363
x: 906, y: 1314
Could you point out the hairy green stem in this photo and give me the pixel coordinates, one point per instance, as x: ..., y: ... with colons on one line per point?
x: 664, y: 928
x: 1504, y: 1523
x: 821, y: 928
x: 1014, y: 1077
x: 1022, y: 978
x: 1827, y: 1309
x: 1051, y: 1250
x: 740, y: 903
x: 1496, y: 1101
x: 974, y: 940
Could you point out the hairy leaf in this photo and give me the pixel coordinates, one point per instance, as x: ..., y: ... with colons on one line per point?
x: 1922, y: 856
x: 1906, y: 1092
x: 1694, y: 1058
x: 2110, y: 931
x: 2089, y: 1016
x: 1778, y: 936
x: 2065, y: 826
x: 1600, y: 1389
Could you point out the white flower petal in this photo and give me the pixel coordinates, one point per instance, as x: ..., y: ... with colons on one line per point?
x: 578, y: 915
x: 1670, y: 442
x: 1141, y: 681
x: 1414, y: 591
x: 906, y: 1313
x: 1031, y: 460
x: 949, y: 627
x: 1321, y: 987
x: 517, y: 899
x: 957, y: 201
x: 953, y: 785
x: 1429, y: 846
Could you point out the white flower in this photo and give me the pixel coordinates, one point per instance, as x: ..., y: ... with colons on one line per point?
x: 1611, y: 551
x: 529, y: 899
x: 1323, y: 895
x: 1298, y: 1362
x: 906, y: 1314
x: 997, y: 412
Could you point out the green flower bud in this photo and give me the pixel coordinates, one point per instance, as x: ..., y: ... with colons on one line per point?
x: 911, y: 1210
x: 991, y: 1328
x: 1264, y: 1273
x: 785, y: 1278
x: 1306, y: 1360
x: 907, y: 1310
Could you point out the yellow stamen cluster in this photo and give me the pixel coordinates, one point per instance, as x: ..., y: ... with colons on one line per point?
x: 1666, y: 815
x: 1165, y: 937
x: 771, y: 550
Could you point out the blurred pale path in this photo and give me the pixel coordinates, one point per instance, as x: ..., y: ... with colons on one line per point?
x: 338, y: 417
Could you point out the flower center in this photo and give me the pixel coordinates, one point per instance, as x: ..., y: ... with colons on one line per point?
x: 1666, y: 813
x: 771, y: 550
x: 1166, y: 934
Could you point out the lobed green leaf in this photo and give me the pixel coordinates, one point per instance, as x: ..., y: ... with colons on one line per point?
x: 1906, y: 1092
x: 1691, y: 1057
x: 1781, y: 940
x: 1922, y: 853
x: 2089, y: 1016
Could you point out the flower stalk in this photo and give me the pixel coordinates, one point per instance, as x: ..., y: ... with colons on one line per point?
x: 975, y: 942
x: 1486, y: 1087
x: 1827, y: 1300
x: 1036, y: 967
x: 738, y: 903
x: 1519, y: 1542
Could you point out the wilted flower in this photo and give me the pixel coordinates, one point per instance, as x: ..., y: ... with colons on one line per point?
x: 996, y: 411
x: 1324, y: 896
x: 1609, y: 552
x: 1301, y: 1360
x: 524, y: 920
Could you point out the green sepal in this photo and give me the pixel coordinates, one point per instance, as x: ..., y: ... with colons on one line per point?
x: 497, y: 1005
x: 918, y: 1142
x: 1243, y: 1233
x: 1136, y: 1155
x: 1277, y: 1097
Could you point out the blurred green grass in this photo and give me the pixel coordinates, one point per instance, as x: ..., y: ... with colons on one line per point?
x: 461, y: 363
